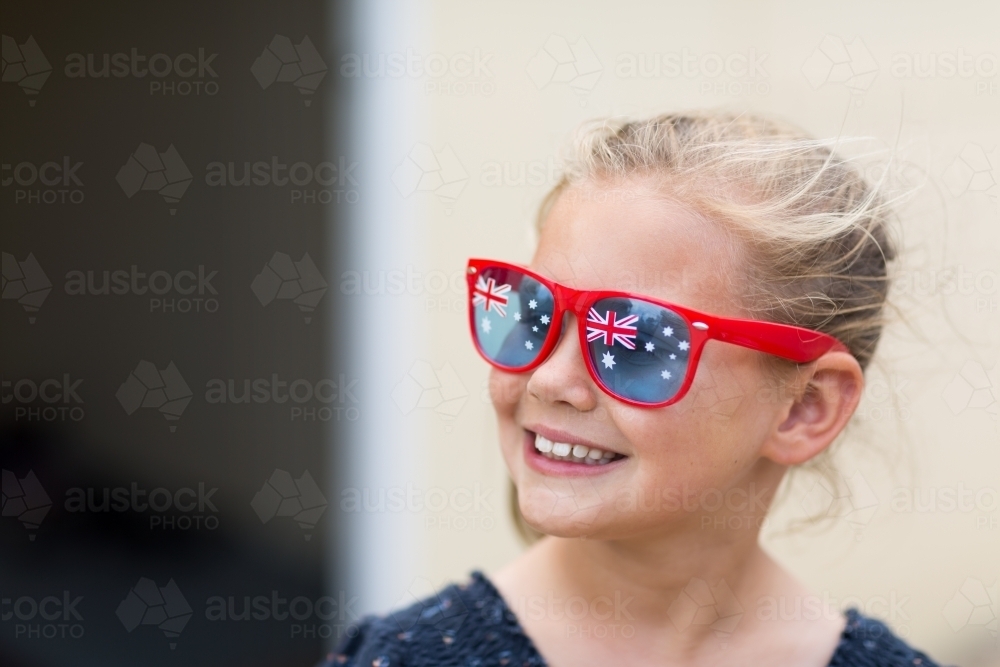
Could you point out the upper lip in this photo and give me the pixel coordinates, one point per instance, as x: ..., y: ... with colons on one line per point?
x: 555, y: 435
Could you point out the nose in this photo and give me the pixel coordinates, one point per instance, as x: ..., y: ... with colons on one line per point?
x: 563, y: 379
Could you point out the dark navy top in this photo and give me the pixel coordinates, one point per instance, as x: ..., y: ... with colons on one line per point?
x: 470, y: 625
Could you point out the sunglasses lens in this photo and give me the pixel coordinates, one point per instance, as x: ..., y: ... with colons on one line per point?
x: 511, y: 316
x: 639, y: 350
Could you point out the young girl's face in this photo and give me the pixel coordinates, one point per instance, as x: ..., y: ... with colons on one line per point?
x: 675, y: 464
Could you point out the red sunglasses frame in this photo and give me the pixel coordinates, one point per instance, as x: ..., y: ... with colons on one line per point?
x: 782, y: 340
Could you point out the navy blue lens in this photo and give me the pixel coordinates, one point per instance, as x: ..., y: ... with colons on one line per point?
x: 639, y: 350
x: 512, y: 314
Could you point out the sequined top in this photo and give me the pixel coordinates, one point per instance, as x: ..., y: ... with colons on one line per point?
x: 470, y: 625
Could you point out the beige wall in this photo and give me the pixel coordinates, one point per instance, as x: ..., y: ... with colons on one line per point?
x: 929, y: 420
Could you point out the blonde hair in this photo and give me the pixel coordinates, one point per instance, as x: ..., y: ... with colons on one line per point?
x: 812, y: 233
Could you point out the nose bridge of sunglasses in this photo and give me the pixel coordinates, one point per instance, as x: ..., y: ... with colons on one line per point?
x: 572, y: 300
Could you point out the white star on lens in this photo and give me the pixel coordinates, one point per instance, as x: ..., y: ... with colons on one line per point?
x: 517, y: 317
x: 668, y: 331
x: 532, y: 304
x: 608, y: 360
x: 486, y: 325
x: 650, y: 347
x: 683, y: 345
x: 535, y: 329
x: 545, y: 319
x: 529, y: 345
x: 673, y: 356
x: 665, y: 375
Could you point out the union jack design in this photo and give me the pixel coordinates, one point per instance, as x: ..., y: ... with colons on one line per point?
x: 491, y: 296
x: 612, y: 329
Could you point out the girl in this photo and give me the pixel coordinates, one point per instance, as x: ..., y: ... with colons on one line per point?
x: 706, y: 294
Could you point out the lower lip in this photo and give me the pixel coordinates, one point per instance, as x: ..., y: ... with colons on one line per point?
x: 547, y: 466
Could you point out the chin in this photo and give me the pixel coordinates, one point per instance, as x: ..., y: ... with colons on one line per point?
x: 563, y: 515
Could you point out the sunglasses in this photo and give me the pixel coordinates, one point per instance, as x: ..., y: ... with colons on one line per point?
x: 640, y: 350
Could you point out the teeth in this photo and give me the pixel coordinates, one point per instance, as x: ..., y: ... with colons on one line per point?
x: 562, y: 451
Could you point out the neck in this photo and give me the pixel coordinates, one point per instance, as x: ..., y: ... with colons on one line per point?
x: 660, y: 570
x: 688, y: 581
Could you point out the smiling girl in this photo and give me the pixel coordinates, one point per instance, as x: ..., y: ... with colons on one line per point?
x: 706, y: 294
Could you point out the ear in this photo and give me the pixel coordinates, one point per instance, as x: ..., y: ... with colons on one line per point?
x: 825, y: 395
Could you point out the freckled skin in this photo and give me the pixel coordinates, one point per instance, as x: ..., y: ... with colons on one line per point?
x: 727, y: 440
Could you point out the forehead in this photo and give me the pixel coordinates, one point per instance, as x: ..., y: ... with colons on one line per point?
x: 633, y: 237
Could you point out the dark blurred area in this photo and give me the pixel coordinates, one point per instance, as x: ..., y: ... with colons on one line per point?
x: 170, y: 191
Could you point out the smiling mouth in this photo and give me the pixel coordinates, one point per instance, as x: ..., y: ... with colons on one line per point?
x: 580, y: 454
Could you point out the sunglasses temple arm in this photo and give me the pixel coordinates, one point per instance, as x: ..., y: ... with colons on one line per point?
x: 782, y: 340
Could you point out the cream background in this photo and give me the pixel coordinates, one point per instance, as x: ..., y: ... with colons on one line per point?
x: 920, y: 559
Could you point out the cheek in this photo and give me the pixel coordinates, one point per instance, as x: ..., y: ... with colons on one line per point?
x: 506, y: 390
x: 713, y: 434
